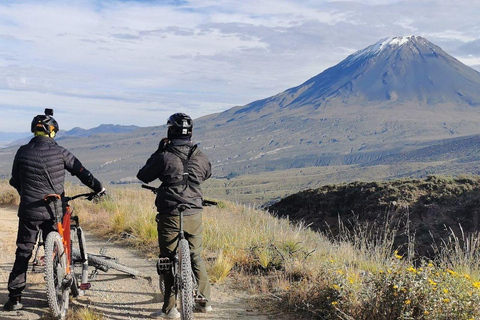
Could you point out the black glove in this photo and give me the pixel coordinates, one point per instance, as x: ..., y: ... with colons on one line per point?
x: 97, y: 186
x: 162, y: 145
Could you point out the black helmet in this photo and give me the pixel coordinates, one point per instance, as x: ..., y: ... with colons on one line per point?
x: 179, y: 126
x: 45, y: 123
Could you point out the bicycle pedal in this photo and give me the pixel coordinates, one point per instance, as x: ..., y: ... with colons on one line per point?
x: 163, y: 264
x: 85, y: 286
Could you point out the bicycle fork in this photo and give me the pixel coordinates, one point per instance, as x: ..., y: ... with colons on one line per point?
x: 84, y: 285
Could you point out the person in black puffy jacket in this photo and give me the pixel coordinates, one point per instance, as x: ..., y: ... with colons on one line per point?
x: 181, y: 167
x: 39, y: 169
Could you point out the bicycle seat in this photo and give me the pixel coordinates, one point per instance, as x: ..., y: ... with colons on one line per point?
x: 183, y: 206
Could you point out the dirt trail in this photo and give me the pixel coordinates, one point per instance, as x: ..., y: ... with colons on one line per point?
x: 113, y: 294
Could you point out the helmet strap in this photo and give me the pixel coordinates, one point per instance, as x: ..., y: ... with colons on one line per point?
x: 44, y: 134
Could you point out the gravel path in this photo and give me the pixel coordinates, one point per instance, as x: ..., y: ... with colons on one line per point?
x: 114, y: 294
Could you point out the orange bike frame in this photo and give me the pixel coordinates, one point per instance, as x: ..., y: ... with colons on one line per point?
x: 64, y: 231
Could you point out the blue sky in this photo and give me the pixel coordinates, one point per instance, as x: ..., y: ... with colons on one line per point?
x: 137, y: 62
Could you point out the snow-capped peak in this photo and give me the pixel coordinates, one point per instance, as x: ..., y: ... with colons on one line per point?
x: 382, y: 45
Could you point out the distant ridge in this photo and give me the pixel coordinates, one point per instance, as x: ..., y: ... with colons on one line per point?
x: 103, y: 128
x: 78, y: 132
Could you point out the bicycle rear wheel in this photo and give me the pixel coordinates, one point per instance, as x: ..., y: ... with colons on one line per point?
x: 186, y: 283
x: 56, y: 276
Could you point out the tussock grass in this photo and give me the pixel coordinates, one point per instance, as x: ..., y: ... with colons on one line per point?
x: 8, y: 195
x: 83, y: 313
x: 359, y: 275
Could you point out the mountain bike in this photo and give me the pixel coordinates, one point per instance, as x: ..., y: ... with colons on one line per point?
x: 65, y: 251
x: 184, y: 284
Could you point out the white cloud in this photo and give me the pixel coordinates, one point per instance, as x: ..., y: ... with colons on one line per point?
x: 105, y: 58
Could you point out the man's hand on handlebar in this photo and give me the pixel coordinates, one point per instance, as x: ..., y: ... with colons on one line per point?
x: 96, y: 196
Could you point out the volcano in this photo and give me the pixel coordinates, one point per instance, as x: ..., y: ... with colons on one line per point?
x: 401, y: 69
x: 397, y: 95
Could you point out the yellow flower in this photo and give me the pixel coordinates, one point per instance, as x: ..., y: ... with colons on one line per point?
x: 351, y: 280
x: 426, y: 312
x: 466, y: 276
x: 334, y: 303
x: 430, y: 265
x: 446, y: 300
x: 395, y: 287
x: 408, y: 302
x: 433, y: 283
x: 412, y: 269
x: 476, y: 284
x: 336, y: 287
x: 397, y: 255
x: 445, y: 290
x: 451, y: 272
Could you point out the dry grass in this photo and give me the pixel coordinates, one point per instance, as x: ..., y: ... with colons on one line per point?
x: 83, y: 313
x: 8, y: 195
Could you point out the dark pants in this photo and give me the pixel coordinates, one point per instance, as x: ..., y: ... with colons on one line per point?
x: 26, y: 239
x: 167, y: 240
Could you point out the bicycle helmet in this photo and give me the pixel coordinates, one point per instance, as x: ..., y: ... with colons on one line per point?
x: 179, y: 126
x: 45, y: 123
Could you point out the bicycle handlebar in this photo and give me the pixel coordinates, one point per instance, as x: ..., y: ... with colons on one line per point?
x: 207, y: 203
x: 89, y: 196
x: 153, y: 189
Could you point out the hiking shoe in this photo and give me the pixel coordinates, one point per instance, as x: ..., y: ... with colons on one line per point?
x: 13, y: 304
x: 202, y: 307
x: 172, y: 314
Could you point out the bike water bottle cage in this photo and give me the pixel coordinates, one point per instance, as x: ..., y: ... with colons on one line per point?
x: 164, y: 265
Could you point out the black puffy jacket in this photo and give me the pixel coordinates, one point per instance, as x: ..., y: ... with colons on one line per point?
x: 166, y: 165
x: 30, y: 178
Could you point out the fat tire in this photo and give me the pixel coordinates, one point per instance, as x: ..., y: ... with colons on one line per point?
x: 55, y: 272
x: 161, y: 282
x: 186, y: 283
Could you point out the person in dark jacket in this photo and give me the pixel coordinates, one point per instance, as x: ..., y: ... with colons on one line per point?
x: 39, y: 169
x: 181, y: 167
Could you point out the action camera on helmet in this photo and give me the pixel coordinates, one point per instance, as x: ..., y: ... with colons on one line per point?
x: 45, y: 123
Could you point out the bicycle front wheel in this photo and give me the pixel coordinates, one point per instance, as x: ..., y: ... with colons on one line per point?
x: 56, y: 275
x: 186, y: 283
x: 104, y: 263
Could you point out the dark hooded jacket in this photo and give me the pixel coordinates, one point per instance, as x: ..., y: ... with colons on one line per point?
x: 39, y: 169
x: 166, y: 164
